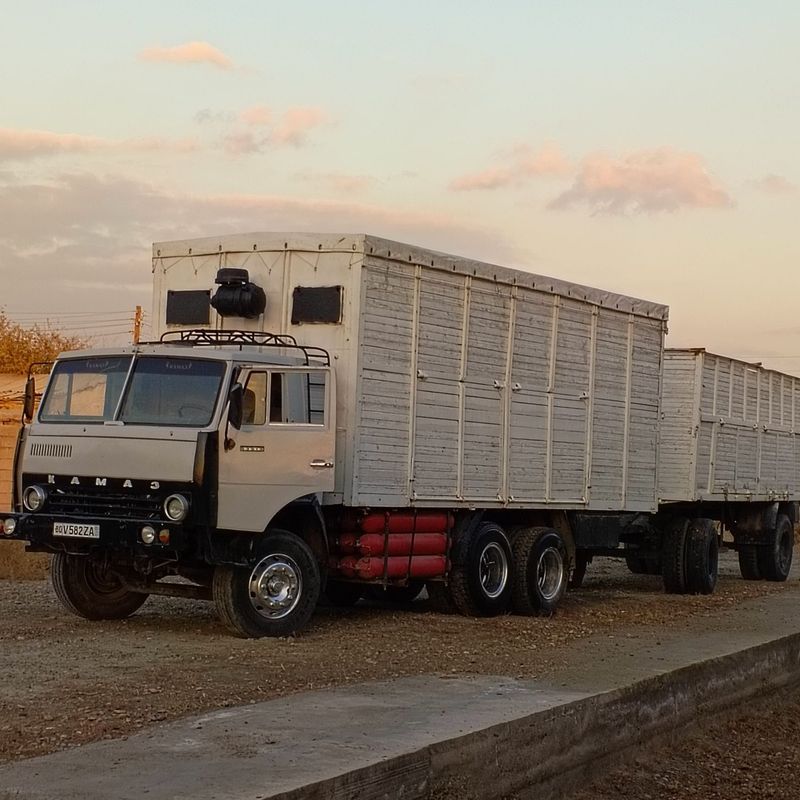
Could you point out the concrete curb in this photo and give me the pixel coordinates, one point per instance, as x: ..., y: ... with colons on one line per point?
x: 552, y: 753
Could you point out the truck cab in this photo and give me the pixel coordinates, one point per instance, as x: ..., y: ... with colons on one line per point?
x: 173, y: 458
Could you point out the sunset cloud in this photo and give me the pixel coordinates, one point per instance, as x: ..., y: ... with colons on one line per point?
x: 522, y: 163
x: 20, y: 144
x: 646, y: 181
x: 774, y: 184
x: 188, y: 53
x: 84, y: 230
x: 258, y: 129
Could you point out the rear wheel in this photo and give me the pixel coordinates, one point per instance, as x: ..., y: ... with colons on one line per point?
x: 540, y: 571
x: 673, y: 555
x: 480, y: 586
x: 748, y: 562
x: 775, y: 558
x: 275, y: 595
x: 86, y: 586
x: 702, y: 556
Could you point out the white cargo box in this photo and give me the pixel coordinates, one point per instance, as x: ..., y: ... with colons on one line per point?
x: 459, y: 382
x: 728, y: 430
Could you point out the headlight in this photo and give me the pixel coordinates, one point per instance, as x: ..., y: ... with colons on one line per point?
x: 148, y: 534
x: 9, y: 525
x: 33, y: 498
x: 176, y: 507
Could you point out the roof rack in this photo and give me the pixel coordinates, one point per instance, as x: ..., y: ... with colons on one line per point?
x: 203, y: 337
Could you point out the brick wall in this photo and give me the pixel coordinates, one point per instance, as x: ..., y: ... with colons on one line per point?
x: 8, y: 441
x: 15, y: 563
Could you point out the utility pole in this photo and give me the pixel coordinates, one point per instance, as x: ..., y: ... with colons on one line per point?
x: 137, y: 325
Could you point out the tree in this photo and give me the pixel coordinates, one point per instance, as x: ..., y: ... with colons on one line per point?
x: 20, y: 346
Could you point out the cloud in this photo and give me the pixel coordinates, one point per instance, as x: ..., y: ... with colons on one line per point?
x: 774, y: 184
x: 522, y: 164
x: 17, y: 145
x: 646, y: 181
x: 258, y: 130
x: 63, y: 240
x: 189, y: 53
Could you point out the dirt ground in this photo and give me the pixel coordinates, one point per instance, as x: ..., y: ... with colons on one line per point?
x: 68, y: 681
x: 751, y: 755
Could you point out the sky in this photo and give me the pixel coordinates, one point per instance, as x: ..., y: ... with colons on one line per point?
x: 649, y: 148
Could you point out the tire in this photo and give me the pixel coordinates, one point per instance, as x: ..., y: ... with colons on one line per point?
x: 673, y: 555
x: 748, y: 562
x: 343, y: 594
x: 480, y: 586
x: 775, y: 557
x: 402, y: 595
x: 252, y: 606
x: 85, y: 588
x: 702, y: 556
x: 540, y: 571
x: 582, y: 561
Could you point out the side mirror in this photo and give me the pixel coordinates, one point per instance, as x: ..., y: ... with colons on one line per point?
x: 235, y: 405
x: 30, y: 399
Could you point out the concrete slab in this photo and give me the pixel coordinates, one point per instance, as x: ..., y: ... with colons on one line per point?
x: 403, y: 738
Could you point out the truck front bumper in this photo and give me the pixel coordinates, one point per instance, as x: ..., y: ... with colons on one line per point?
x: 46, y: 532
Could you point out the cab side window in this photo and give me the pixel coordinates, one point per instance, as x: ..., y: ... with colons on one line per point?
x: 293, y: 397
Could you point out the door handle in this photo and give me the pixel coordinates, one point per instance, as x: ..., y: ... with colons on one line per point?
x: 321, y: 463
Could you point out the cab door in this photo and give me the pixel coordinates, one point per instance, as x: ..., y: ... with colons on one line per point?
x: 285, y: 448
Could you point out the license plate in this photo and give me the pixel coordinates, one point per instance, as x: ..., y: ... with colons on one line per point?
x: 76, y: 530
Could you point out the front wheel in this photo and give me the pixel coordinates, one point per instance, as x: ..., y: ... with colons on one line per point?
x: 275, y: 595
x: 86, y: 586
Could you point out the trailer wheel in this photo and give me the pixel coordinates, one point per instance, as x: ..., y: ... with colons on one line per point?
x: 540, y: 571
x: 343, y: 594
x: 275, y: 594
x: 673, y: 555
x: 748, y: 562
x: 775, y: 558
x: 702, y: 556
x: 480, y: 586
x: 402, y: 595
x: 85, y: 586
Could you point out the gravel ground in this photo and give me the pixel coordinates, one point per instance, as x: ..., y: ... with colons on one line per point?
x: 753, y: 754
x: 68, y: 681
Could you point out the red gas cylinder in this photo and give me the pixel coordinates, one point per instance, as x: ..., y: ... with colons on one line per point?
x: 393, y: 567
x: 399, y: 544
x: 406, y: 522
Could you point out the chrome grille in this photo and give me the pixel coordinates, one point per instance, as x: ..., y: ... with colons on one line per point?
x: 101, y: 504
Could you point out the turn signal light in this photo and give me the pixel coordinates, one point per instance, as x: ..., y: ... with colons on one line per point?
x: 163, y: 536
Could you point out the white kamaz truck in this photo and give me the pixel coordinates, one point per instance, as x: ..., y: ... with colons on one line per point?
x: 341, y: 414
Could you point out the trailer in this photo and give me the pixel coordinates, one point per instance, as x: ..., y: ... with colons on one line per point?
x: 342, y: 414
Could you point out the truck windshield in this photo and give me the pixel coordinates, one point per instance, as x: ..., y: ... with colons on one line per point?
x: 160, y: 390
x: 172, y: 391
x: 85, y: 389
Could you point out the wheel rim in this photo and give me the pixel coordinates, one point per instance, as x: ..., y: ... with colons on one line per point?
x: 493, y: 570
x: 550, y: 573
x: 275, y: 586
